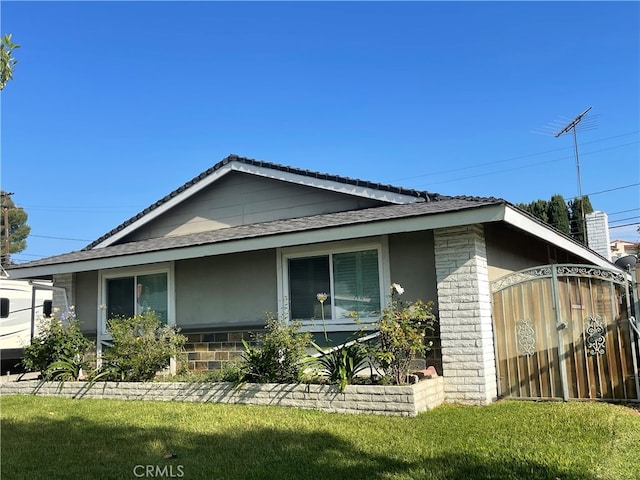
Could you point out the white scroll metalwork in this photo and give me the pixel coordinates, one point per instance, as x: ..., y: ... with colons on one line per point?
x: 526, y: 337
x: 595, y: 336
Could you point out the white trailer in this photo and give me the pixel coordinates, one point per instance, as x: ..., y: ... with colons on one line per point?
x: 22, y: 303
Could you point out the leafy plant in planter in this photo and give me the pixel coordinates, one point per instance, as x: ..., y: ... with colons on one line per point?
x: 342, y: 364
x: 59, y: 340
x: 142, y: 346
x: 279, y: 356
x: 402, y: 328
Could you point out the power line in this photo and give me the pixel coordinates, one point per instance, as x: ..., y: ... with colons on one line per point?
x: 625, y: 225
x: 518, y: 157
x: 623, y: 211
x: 625, y: 219
x: 61, y: 238
x: 521, y: 166
x: 613, y: 189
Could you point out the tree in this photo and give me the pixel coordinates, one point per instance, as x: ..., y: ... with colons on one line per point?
x: 7, y: 61
x: 579, y: 207
x: 16, y: 227
x: 540, y: 209
x: 558, y: 214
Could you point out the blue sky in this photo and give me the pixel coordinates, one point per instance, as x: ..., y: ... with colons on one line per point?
x: 115, y: 104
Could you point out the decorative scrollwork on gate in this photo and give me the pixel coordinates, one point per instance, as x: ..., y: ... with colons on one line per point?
x: 588, y: 271
x: 526, y: 337
x: 520, y: 277
x: 595, y: 336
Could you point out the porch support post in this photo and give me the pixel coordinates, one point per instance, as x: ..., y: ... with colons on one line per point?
x: 464, y: 308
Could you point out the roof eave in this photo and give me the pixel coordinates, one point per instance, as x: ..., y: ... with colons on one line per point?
x: 483, y: 214
x: 518, y: 219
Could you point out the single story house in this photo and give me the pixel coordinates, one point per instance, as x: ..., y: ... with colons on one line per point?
x: 246, y: 237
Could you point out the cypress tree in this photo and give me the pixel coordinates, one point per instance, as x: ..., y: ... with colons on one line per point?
x: 558, y: 214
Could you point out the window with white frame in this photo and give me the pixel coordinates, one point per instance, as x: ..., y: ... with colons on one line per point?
x: 351, y: 279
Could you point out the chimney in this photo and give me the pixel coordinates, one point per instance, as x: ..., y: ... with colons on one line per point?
x: 598, y: 233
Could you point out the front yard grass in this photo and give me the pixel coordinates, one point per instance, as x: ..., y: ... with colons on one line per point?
x: 56, y: 438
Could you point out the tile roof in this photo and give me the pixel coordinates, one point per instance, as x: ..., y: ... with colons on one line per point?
x: 277, y: 227
x: 274, y: 166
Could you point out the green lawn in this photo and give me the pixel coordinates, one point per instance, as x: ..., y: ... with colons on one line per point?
x: 54, y: 438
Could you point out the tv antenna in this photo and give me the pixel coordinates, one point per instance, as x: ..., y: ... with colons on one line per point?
x: 565, y: 126
x: 571, y: 127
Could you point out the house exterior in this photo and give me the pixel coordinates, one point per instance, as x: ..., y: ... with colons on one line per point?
x: 622, y: 248
x: 246, y: 237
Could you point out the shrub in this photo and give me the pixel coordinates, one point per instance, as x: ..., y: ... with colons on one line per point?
x: 60, y: 339
x: 142, y: 346
x: 402, y: 329
x: 279, y: 356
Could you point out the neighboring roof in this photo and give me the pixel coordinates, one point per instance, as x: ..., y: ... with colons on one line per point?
x: 415, y: 195
x: 272, y: 228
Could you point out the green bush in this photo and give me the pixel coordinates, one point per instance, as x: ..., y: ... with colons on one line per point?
x: 280, y: 355
x: 142, y: 346
x: 402, y: 328
x: 60, y: 339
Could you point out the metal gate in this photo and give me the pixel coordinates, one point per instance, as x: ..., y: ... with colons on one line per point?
x: 564, y: 331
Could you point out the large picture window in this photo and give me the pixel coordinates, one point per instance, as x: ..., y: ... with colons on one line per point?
x: 135, y: 294
x: 350, y: 279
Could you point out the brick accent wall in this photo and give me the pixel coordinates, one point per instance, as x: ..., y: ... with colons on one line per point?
x: 66, y: 281
x: 464, y: 305
x: 211, y: 351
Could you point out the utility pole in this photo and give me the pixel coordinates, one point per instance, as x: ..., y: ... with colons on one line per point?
x: 5, y: 211
x: 571, y: 127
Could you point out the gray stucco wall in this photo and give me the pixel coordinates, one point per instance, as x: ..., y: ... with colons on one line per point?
x: 242, y: 199
x: 86, y: 297
x: 226, y: 290
x: 510, y: 250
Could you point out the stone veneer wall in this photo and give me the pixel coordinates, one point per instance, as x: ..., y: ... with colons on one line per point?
x: 211, y: 351
x: 64, y: 280
x: 374, y: 399
x: 464, y: 311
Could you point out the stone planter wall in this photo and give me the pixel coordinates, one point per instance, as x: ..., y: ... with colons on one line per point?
x: 381, y: 400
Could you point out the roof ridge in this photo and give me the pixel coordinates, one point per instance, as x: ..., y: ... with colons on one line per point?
x: 274, y: 166
x: 328, y: 176
x: 478, y: 198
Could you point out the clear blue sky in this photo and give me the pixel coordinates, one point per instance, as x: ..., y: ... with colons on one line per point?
x: 115, y: 104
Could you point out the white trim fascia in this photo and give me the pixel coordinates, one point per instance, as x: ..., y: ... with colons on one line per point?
x: 348, y: 189
x: 491, y: 213
x: 523, y: 222
x: 309, y: 181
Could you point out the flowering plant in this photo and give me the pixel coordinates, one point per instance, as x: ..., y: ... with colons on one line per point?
x: 402, y: 328
x: 60, y: 339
